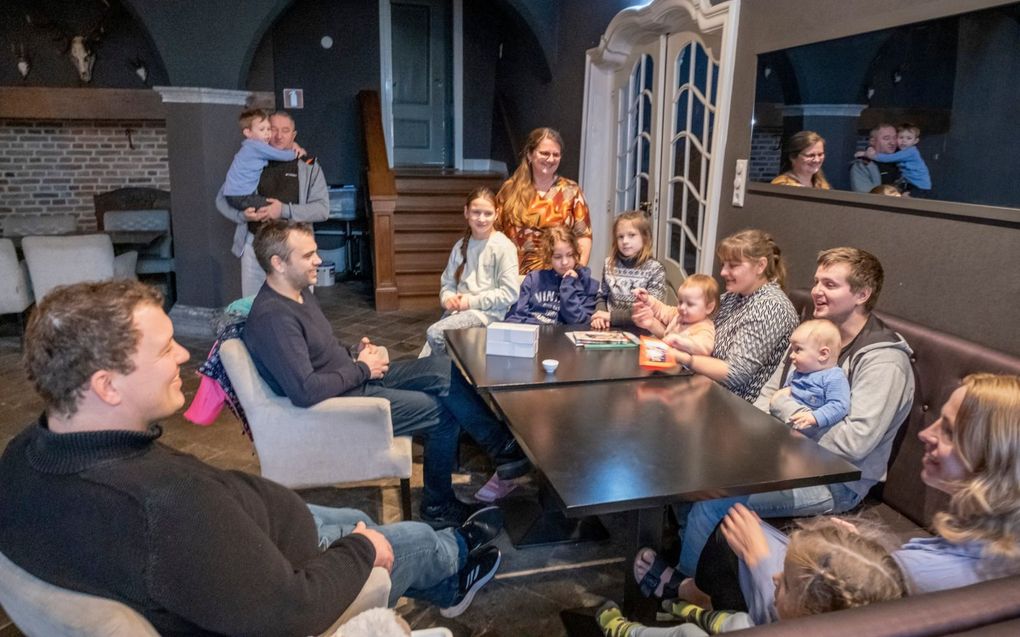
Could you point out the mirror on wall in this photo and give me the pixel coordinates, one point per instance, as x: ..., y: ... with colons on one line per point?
x: 953, y: 82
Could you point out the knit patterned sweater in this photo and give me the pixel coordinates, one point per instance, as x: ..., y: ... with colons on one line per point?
x: 620, y: 279
x: 751, y: 334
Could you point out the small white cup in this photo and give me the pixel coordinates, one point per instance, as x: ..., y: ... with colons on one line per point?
x: 550, y: 365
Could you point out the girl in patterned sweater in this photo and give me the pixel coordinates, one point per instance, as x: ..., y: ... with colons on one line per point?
x: 630, y: 268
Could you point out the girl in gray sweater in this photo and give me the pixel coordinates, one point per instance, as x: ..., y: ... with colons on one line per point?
x: 480, y: 281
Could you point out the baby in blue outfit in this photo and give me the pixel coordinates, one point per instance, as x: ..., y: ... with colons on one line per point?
x: 817, y: 383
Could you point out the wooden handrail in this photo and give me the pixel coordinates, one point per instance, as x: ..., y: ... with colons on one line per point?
x: 382, y: 195
x: 381, y: 180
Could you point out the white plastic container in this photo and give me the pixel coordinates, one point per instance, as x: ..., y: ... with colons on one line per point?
x: 326, y: 275
x: 511, y: 339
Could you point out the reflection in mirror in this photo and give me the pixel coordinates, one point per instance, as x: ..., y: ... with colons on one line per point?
x: 927, y: 110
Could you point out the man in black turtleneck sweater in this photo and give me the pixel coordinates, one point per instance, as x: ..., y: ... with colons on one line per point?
x: 92, y: 502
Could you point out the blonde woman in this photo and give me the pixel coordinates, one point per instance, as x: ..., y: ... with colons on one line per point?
x: 971, y: 452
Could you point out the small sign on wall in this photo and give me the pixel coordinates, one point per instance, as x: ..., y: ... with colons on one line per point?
x: 293, y: 98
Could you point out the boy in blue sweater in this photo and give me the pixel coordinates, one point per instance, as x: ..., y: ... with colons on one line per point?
x: 908, y: 158
x: 239, y: 188
x: 564, y: 292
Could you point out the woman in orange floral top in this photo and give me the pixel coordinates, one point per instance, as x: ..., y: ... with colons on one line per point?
x: 535, y: 199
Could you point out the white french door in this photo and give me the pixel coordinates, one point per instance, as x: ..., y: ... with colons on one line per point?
x: 685, y: 242
x: 637, y: 123
x: 665, y: 121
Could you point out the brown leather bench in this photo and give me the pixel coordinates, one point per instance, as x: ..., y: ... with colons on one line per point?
x: 991, y: 608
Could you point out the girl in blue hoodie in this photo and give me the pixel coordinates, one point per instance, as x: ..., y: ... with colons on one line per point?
x: 562, y: 293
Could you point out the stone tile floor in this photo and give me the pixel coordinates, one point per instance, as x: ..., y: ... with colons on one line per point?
x: 533, y: 584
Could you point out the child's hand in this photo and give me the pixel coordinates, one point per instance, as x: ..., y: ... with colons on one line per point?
x: 641, y: 295
x: 860, y: 154
x: 642, y: 316
x: 298, y: 151
x: 452, y: 304
x: 570, y: 272
x: 871, y: 152
x: 462, y: 303
x: 803, y: 420
x: 600, y: 320
x: 742, y: 529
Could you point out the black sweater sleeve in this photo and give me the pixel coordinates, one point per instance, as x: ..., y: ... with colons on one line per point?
x: 209, y: 562
x: 283, y: 343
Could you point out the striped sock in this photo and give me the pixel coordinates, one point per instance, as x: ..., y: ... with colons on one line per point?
x: 711, y: 621
x: 613, y: 623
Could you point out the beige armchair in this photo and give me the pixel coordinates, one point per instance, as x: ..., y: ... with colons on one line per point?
x: 339, y: 440
x: 55, y: 260
x: 40, y: 609
x: 15, y: 291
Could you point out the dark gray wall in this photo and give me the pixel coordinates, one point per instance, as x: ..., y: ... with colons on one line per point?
x: 557, y: 103
x: 942, y: 270
x: 329, y: 125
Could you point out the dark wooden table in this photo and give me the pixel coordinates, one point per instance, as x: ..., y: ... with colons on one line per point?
x: 637, y: 446
x: 577, y: 364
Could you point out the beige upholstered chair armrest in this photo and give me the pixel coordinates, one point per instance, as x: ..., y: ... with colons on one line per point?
x: 374, y: 594
x: 41, y: 609
x: 346, y: 439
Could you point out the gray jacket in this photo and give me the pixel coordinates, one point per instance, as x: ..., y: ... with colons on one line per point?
x: 312, y: 205
x: 881, y: 393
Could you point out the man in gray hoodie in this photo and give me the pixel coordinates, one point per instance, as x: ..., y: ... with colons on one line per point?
x: 876, y: 361
x: 296, y: 190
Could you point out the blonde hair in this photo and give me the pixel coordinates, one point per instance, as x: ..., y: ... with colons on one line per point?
x: 821, y: 332
x: 837, y: 566
x: 554, y: 235
x: 751, y: 245
x: 986, y: 507
x: 482, y: 192
x: 516, y: 194
x: 640, y: 222
x: 708, y: 286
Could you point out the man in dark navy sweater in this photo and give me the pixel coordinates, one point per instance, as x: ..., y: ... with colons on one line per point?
x: 295, y: 351
x: 92, y: 502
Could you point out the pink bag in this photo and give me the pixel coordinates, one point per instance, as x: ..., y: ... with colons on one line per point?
x: 207, y: 404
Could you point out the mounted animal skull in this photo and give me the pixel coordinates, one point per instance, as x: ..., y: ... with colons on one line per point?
x: 81, y: 57
x: 80, y: 48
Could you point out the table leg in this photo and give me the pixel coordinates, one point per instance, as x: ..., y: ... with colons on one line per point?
x: 540, y: 524
x: 644, y: 529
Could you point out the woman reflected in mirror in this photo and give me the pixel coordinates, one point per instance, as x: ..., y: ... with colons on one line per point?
x: 803, y: 159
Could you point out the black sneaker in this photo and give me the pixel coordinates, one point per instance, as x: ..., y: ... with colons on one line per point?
x: 511, y: 462
x: 481, y: 528
x: 453, y: 513
x: 479, y: 569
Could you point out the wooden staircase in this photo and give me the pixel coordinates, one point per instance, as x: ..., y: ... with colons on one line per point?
x: 427, y: 220
x: 417, y: 215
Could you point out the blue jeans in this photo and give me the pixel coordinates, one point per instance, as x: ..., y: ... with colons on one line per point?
x: 699, y: 519
x: 428, y: 397
x: 413, y: 388
x: 426, y: 562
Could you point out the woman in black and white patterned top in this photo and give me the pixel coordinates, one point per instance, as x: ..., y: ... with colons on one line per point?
x: 755, y: 318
